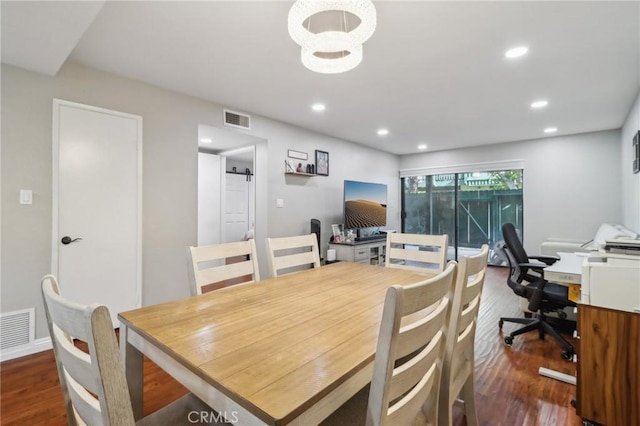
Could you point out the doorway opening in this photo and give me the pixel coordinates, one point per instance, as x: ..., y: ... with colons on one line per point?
x: 226, y: 185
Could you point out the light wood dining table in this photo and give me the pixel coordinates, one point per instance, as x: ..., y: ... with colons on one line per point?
x: 285, y: 350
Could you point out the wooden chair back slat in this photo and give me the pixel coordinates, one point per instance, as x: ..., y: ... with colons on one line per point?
x: 404, y: 378
x: 468, y: 316
x: 417, y: 251
x: 421, y: 256
x: 207, y: 264
x: 299, y: 251
x: 226, y: 272
x: 413, y: 336
x: 85, y: 405
x: 76, y: 362
x: 405, y: 409
x: 474, y: 287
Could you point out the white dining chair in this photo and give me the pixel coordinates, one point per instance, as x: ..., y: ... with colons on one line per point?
x: 407, y: 367
x: 290, y: 254
x: 94, y: 384
x: 417, y: 252
x: 218, y: 265
x: 459, y: 361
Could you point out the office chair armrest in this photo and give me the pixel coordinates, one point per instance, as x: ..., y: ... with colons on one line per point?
x: 536, y: 297
x: 538, y: 267
x: 549, y: 260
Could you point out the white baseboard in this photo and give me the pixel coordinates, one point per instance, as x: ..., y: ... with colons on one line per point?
x: 38, y: 345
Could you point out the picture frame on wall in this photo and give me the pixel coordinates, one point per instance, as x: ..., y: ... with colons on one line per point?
x: 636, y: 152
x: 322, y: 163
x: 297, y: 154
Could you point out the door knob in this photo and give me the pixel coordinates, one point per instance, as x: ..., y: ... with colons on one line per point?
x: 67, y: 240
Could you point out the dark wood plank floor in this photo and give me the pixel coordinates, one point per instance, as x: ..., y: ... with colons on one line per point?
x: 509, y: 389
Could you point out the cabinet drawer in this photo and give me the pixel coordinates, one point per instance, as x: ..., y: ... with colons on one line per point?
x: 360, y: 253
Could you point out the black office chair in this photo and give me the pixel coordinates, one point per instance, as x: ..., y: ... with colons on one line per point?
x: 543, y: 297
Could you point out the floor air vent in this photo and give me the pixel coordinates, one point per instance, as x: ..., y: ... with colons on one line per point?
x: 16, y: 328
x: 235, y: 119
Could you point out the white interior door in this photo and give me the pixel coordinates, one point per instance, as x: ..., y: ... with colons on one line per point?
x: 97, y: 163
x: 236, y: 218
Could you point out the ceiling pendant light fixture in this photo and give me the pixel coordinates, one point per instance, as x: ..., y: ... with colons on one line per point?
x: 330, y: 48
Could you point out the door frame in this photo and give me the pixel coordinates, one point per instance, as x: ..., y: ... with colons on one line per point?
x: 55, y: 170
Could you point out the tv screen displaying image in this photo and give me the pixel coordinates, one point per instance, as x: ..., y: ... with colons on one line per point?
x: 365, y: 204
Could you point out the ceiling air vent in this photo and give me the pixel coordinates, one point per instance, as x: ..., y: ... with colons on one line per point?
x: 235, y: 119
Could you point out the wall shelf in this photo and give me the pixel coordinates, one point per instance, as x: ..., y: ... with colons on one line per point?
x: 300, y: 174
x: 290, y: 169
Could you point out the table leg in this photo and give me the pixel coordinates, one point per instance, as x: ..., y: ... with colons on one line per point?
x: 132, y: 360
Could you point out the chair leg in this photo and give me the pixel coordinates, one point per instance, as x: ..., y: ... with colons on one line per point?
x: 430, y: 409
x: 529, y: 327
x: 469, y: 397
x: 445, y: 405
x: 539, y: 323
x: 552, y: 331
x: 517, y: 320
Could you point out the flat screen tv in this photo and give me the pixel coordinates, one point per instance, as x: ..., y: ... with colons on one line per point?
x: 365, y: 204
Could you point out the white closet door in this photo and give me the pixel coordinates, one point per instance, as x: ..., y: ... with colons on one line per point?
x: 97, y: 164
x: 236, y: 218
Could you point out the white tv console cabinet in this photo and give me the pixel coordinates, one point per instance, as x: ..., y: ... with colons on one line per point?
x: 371, y: 252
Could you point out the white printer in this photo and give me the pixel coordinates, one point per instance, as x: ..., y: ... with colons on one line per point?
x: 611, y: 280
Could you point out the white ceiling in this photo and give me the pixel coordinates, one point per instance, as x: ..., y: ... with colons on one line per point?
x: 226, y: 142
x: 433, y: 72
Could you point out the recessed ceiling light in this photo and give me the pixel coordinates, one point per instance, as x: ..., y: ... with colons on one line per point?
x: 318, y: 107
x: 516, y: 52
x: 206, y: 140
x: 383, y: 132
x: 539, y: 104
x: 422, y: 146
x: 551, y: 130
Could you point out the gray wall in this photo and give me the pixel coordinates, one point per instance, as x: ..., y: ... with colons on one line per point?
x: 323, y: 195
x: 170, y: 160
x: 630, y: 181
x: 571, y: 183
x: 563, y: 175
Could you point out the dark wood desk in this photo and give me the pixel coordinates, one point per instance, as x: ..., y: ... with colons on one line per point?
x: 608, y: 370
x: 608, y: 366
x: 286, y: 350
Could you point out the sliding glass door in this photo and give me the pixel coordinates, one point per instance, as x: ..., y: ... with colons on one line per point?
x: 469, y: 207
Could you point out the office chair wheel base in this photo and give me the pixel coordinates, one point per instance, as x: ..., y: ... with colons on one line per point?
x: 567, y: 355
x: 500, y: 324
x: 508, y: 340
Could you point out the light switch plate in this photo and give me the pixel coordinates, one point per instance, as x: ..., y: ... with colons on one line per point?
x: 26, y: 196
x: 279, y: 203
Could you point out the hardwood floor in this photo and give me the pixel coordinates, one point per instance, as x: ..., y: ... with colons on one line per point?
x: 509, y: 390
